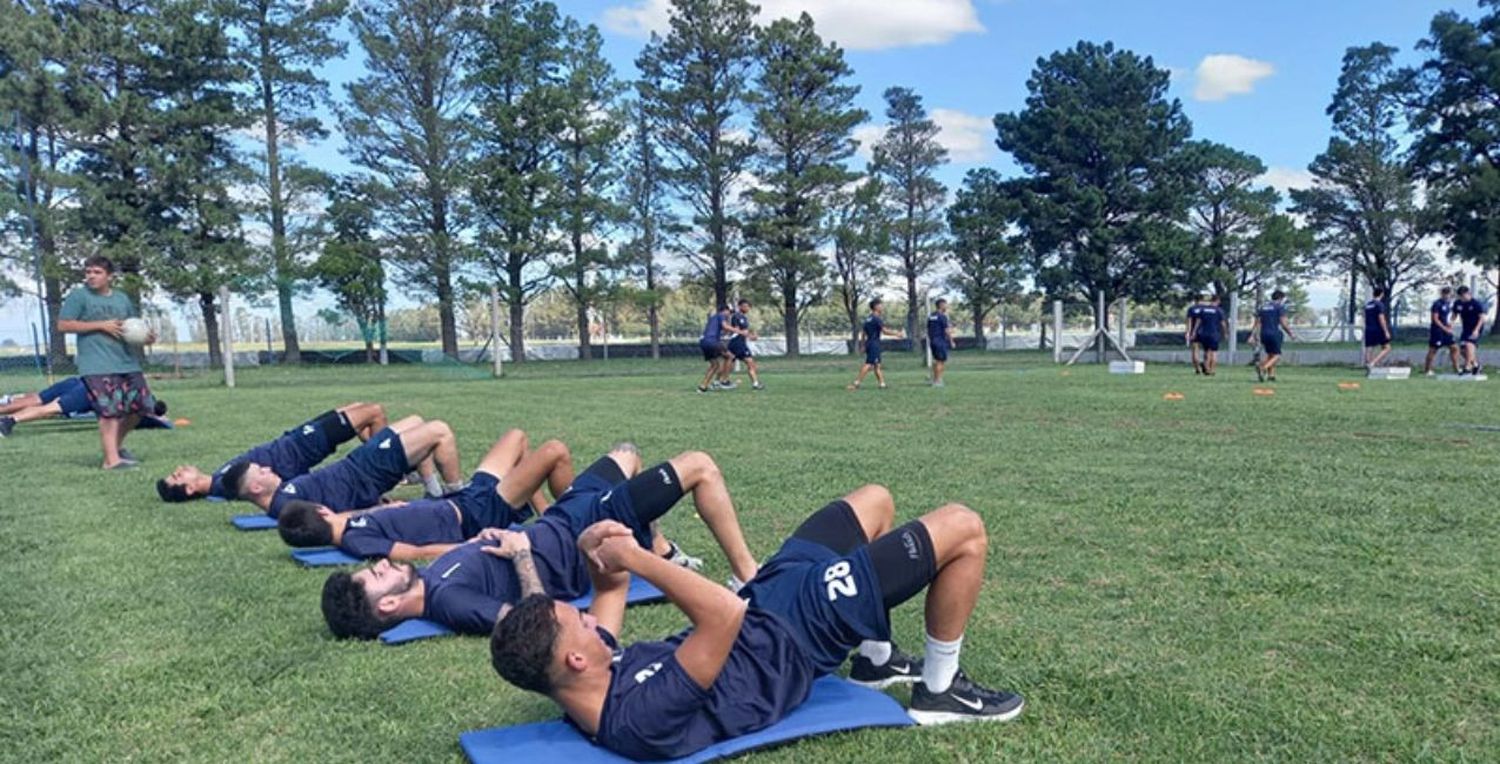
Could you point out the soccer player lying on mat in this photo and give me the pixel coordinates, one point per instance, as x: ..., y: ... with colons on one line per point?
x: 66, y: 398
x: 469, y: 587
x: 750, y: 659
x: 292, y: 454
x: 503, y: 490
x: 360, y: 479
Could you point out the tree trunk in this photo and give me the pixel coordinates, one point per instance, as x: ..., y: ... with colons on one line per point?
x: 293, y: 352
x: 979, y: 328
x: 443, y: 274
x: 207, y: 303
x: 584, y: 350
x: 57, y: 343
x: 384, y: 351
x: 279, y: 254
x: 789, y: 312
x: 654, y: 320
x: 912, y: 312
x: 517, y: 329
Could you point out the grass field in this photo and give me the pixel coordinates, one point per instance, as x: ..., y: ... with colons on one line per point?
x: 1308, y: 577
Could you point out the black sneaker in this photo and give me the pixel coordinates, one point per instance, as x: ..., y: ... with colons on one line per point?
x: 1260, y: 374
x: 899, y: 669
x: 7, y: 425
x: 963, y: 702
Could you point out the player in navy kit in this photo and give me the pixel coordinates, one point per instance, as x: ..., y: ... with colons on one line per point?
x: 360, y: 479
x: 1377, y: 329
x: 873, y: 330
x: 291, y: 455
x: 749, y: 660
x: 1208, y: 332
x: 468, y: 588
x: 940, y: 339
x: 1440, y: 331
x: 714, y: 349
x: 504, y: 490
x: 1191, y: 335
x: 67, y: 397
x: 1471, y: 312
x: 739, y: 346
x: 1269, y: 330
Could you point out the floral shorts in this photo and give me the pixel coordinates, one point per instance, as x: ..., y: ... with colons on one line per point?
x: 120, y: 395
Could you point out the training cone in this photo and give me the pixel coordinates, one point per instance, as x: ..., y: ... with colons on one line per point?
x: 1173, y: 397
x: 181, y: 422
x: 1348, y: 385
x: 1263, y: 391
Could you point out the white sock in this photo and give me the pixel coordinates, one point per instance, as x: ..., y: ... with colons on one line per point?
x: 941, y: 663
x: 877, y: 652
x: 452, y: 487
x: 434, y: 486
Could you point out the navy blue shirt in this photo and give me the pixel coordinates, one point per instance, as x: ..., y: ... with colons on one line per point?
x: 739, y: 321
x: 290, y: 455
x: 1470, y: 314
x: 1210, y: 321
x: 654, y: 710
x: 1270, y: 316
x: 937, y: 329
x: 874, y: 327
x: 1193, y: 312
x: 1374, y: 309
x: 1444, y: 311
x: 425, y: 521
x: 713, y: 331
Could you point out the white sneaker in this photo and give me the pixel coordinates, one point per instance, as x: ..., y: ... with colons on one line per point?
x: 677, y: 557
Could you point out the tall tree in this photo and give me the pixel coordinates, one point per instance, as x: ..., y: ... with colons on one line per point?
x: 988, y: 253
x: 649, y: 218
x: 350, y: 265
x: 693, y: 87
x: 1458, y: 149
x: 861, y: 239
x: 587, y: 170
x: 1232, y: 219
x: 204, y: 248
x: 1105, y: 194
x: 906, y: 160
x: 406, y: 123
x: 37, y: 50
x: 283, y: 42
x: 804, y: 121
x: 1366, y: 203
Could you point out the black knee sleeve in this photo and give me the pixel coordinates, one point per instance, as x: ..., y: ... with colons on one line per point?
x: 654, y: 491
x: 904, y: 561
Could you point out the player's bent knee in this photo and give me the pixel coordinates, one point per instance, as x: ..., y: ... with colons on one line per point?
x: 693, y: 466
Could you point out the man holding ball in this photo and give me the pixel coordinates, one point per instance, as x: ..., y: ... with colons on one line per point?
x: 111, y: 370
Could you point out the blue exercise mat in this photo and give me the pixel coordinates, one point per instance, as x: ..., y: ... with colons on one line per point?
x: 215, y: 499
x: 641, y: 592
x: 253, y: 522
x: 324, y: 556
x: 835, y: 705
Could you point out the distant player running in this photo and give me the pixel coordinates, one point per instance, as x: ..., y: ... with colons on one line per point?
x: 1471, y: 314
x: 360, y: 479
x: 1269, y: 330
x: 939, y: 339
x: 749, y: 660
x: 1440, y: 331
x: 1191, y: 335
x: 715, y: 352
x: 739, y: 346
x: 504, y: 490
x: 1377, y: 329
x: 293, y: 454
x: 1208, y: 332
x: 873, y: 330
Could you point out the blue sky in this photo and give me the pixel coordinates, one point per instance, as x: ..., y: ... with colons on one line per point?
x: 1254, y: 74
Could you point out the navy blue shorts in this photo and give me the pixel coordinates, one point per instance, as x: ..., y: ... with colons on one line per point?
x: 71, y: 394
x: 1207, y: 343
x: 830, y: 602
x: 481, y: 506
x: 711, y: 350
x: 1271, y: 343
x: 319, y: 438
x: 1439, y: 339
x: 1470, y: 335
x: 940, y: 351
x: 372, y: 469
x: 554, y: 538
x: 1376, y: 339
x: 740, y: 349
x: 872, y: 355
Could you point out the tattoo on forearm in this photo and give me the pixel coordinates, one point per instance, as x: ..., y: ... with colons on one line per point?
x: 531, y: 583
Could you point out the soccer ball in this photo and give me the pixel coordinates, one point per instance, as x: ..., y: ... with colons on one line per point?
x: 135, y: 331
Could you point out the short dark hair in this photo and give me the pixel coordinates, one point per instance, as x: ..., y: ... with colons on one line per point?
x: 174, y: 494
x: 100, y: 261
x: 743, y: 301
x: 940, y: 303
x: 234, y: 478
x: 1278, y: 295
x: 521, y: 644
x: 160, y: 408
x: 1463, y: 290
x: 1446, y: 290
x: 723, y: 307
x: 301, y: 525
x: 874, y: 302
x: 1378, y: 291
x: 347, y: 610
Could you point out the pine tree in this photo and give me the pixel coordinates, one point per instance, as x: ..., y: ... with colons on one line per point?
x: 649, y: 218
x: 988, y: 255
x: 906, y: 160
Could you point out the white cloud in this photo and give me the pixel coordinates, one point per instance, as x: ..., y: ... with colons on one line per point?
x: 853, y: 24
x: 1286, y: 179
x: 969, y: 138
x: 1224, y: 74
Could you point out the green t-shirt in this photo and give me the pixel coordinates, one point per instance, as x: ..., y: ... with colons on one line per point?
x: 99, y: 353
